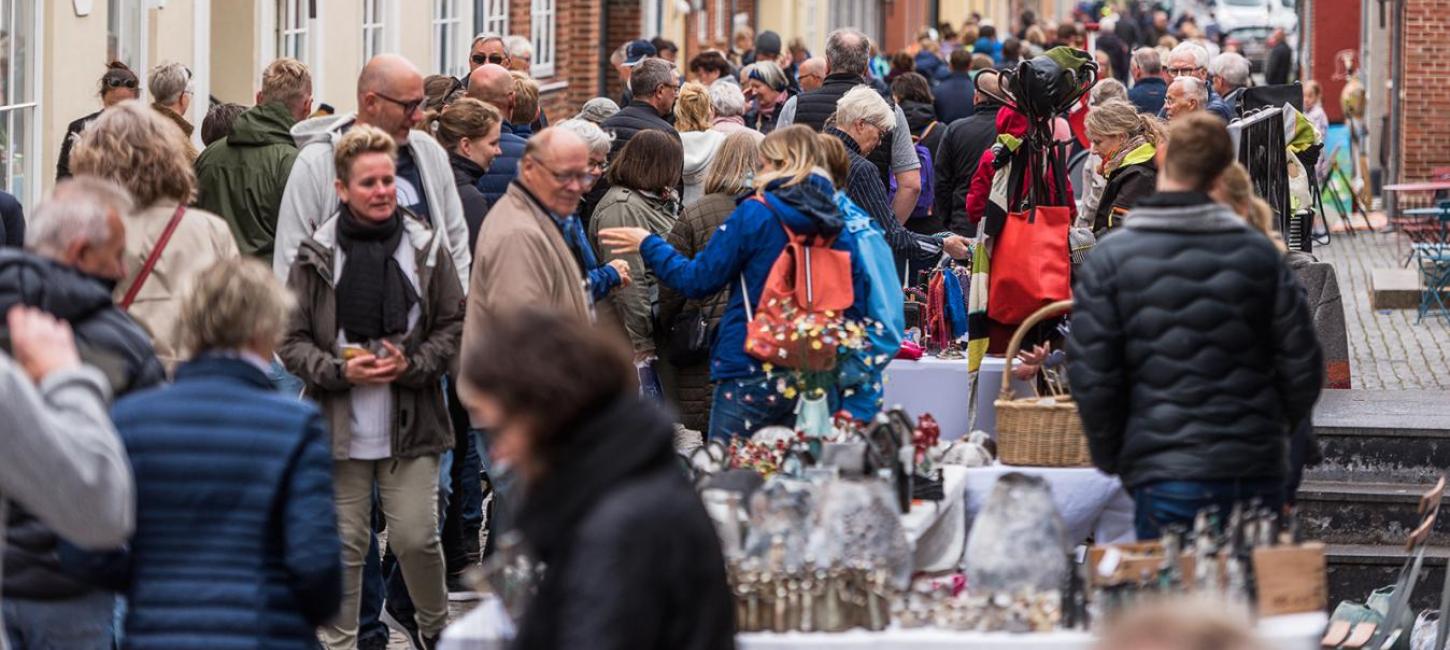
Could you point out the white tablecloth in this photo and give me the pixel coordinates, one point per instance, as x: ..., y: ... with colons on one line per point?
x: 1091, y: 502
x: 944, y: 389
x: 1297, y: 632
x: 938, y: 529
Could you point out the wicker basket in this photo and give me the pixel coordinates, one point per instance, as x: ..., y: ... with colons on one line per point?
x: 1033, y: 433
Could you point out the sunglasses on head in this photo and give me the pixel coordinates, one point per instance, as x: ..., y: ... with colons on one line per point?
x: 122, y: 83
x: 480, y: 59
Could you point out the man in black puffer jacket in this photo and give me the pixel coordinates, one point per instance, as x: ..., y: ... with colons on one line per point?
x: 1193, y: 354
x: 78, y: 240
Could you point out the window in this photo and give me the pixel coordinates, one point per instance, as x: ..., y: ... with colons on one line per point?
x: 450, y: 51
x: 125, y: 38
x: 493, y: 16
x: 19, y: 130
x: 542, y: 17
x: 373, y: 28
x: 292, y: 30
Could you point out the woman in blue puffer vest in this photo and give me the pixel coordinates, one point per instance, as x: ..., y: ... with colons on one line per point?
x: 801, y: 195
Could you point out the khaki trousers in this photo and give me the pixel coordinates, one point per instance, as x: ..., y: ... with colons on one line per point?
x: 408, y: 496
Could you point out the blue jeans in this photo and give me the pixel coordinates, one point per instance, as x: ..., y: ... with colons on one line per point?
x: 1175, y: 503
x: 742, y: 406
x: 81, y: 623
x: 383, y: 580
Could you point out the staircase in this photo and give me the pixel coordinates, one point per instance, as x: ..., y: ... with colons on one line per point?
x: 1382, y: 450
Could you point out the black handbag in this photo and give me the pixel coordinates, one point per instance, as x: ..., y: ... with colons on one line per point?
x: 688, y: 338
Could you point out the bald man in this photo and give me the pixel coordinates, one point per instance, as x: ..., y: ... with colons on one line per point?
x: 812, y: 73
x: 530, y: 248
x: 493, y: 84
x: 389, y: 97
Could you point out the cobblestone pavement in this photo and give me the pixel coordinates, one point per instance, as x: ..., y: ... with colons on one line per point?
x: 1387, y: 349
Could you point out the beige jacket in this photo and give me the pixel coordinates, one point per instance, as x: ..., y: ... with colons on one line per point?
x: 201, y: 240
x: 521, y: 260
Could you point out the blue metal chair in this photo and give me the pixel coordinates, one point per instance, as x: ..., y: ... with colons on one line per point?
x: 1434, y: 261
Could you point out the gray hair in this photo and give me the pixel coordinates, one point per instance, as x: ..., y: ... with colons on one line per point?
x: 1148, y: 60
x: 649, y: 75
x: 77, y: 210
x: 484, y: 38
x: 518, y: 47
x: 767, y: 72
x: 234, y: 304
x: 726, y: 98
x: 1200, y: 55
x: 1195, y: 89
x: 1106, y: 90
x: 590, y: 133
x: 847, y: 51
x: 864, y: 103
x: 168, y: 82
x: 1233, y: 68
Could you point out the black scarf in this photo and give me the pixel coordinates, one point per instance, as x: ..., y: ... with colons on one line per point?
x: 374, y: 295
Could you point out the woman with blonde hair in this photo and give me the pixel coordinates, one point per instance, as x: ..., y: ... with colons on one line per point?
x: 167, y: 243
x: 1127, y: 142
x: 1236, y: 190
x: 469, y: 130
x: 789, y: 191
x: 693, y: 116
x: 727, y: 182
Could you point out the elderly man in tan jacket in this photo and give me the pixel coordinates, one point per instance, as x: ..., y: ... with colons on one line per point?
x: 523, y: 258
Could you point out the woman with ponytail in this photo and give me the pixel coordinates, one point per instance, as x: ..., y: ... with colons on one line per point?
x: 469, y: 130
x: 1127, y: 142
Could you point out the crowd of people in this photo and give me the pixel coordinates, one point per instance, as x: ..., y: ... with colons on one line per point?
x: 457, y: 285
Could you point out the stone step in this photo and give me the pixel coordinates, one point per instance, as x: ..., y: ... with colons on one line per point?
x: 1397, y: 288
x: 1356, y: 570
x: 1382, y: 436
x: 1337, y: 512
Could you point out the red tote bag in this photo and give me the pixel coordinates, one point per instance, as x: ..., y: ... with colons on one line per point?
x: 1031, y: 265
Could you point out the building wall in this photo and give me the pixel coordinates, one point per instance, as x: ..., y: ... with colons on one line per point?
x: 806, y: 19
x: 236, y: 49
x: 1425, y: 136
x: 74, y: 57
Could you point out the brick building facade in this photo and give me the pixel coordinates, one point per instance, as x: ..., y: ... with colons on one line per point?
x: 1425, y: 102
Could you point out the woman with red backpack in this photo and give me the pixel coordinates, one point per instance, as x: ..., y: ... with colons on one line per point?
x: 794, y: 201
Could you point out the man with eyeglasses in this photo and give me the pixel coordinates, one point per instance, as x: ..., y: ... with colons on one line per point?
x: 655, y: 86
x: 1191, y: 60
x: 389, y: 97
x: 171, y: 90
x: 492, y: 84
x: 812, y: 74
x: 487, y: 48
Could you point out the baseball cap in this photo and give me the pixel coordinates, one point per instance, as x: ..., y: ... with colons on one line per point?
x: 638, y: 50
x: 767, y: 43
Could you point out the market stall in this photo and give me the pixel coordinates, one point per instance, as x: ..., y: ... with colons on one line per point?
x: 943, y: 388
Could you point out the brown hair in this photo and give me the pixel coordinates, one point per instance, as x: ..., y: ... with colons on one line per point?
x: 733, y: 163
x: 1199, y: 150
x: 464, y: 118
x: 119, y: 73
x: 550, y: 369
x: 360, y: 139
x: 218, y: 122
x: 981, y: 62
x: 651, y: 161
x: 287, y: 81
x: 1237, y: 189
x: 834, y: 158
x: 136, y: 147
x: 439, y: 91
x: 692, y: 108
x: 526, y: 99
x: 911, y: 86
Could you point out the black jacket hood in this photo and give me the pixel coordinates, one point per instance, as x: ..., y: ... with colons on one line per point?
x: 67, y: 294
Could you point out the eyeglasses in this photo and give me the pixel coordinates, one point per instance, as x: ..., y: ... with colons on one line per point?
x: 599, y: 167
x: 122, y: 83
x: 480, y: 59
x: 584, y: 179
x: 408, y: 107
x: 1183, y: 72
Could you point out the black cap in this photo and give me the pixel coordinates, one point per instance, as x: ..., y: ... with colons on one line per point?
x: 767, y: 43
x: 638, y: 50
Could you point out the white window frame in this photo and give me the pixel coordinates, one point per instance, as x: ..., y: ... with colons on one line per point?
x: 26, y: 185
x: 493, y: 17
x: 543, y: 29
x: 293, y: 37
x: 130, y: 17
x: 449, y: 53
x: 374, y: 24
